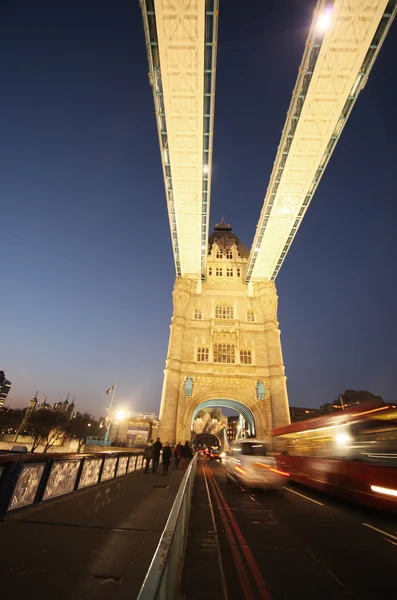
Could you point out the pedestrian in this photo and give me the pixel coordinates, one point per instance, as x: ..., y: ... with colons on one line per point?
x: 177, y: 456
x: 148, y: 454
x: 157, y: 447
x: 187, y: 455
x: 166, y: 458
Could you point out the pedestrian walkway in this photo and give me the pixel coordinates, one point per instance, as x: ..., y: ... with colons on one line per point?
x: 97, y: 543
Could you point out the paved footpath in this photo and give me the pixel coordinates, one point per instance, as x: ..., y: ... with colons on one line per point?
x: 97, y: 543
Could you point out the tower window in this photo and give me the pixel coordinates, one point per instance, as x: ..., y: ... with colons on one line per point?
x: 203, y: 354
x: 219, y: 272
x: 238, y: 272
x: 245, y: 357
x: 210, y: 271
x: 219, y: 254
x: 198, y: 314
x: 224, y: 311
x: 224, y: 353
x: 229, y: 272
x: 250, y: 316
x: 229, y: 254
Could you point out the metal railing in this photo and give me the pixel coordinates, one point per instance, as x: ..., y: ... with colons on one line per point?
x: 163, y: 579
x: 29, y: 479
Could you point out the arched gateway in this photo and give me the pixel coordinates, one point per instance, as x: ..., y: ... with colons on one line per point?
x: 224, y: 347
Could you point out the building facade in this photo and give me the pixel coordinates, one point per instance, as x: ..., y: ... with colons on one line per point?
x: 224, y: 347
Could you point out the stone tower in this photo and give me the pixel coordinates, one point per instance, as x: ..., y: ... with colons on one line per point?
x: 224, y: 347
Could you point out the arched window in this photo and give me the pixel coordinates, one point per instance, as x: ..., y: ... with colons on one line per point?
x: 229, y: 272
x: 210, y: 271
x: 245, y: 357
x: 250, y: 316
x: 198, y: 314
x: 229, y: 254
x: 224, y: 353
x: 224, y: 311
x: 219, y: 272
x: 203, y: 354
x: 238, y: 272
x: 219, y: 253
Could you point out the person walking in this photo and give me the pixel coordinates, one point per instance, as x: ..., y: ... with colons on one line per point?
x: 148, y: 454
x: 157, y: 447
x: 177, y: 456
x: 166, y: 458
x: 186, y: 455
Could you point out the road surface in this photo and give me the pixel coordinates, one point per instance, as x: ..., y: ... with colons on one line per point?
x: 278, y: 546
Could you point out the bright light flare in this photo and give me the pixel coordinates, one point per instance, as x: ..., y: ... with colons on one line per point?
x: 205, y: 169
x: 120, y: 414
x: 240, y: 470
x: 324, y: 21
x: 223, y: 454
x: 342, y: 439
x: 385, y: 491
x: 283, y: 473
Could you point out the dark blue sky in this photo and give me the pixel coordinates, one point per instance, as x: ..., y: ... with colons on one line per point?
x: 86, y: 260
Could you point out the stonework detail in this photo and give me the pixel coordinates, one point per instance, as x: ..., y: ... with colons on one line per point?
x: 122, y: 466
x: 90, y: 473
x: 26, y: 488
x: 62, y: 478
x: 224, y: 354
x: 109, y: 468
x: 131, y: 464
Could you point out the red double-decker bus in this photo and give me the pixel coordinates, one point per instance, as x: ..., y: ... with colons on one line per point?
x: 351, y: 454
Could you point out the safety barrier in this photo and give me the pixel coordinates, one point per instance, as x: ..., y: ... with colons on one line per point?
x: 163, y: 578
x: 28, y: 479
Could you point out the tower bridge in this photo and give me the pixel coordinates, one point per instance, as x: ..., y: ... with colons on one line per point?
x: 224, y: 346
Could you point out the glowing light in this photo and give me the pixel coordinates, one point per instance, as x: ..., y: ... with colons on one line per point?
x: 324, y: 21
x: 223, y: 454
x: 120, y: 415
x: 240, y: 470
x: 385, y: 491
x: 283, y: 473
x: 342, y: 439
x: 205, y: 169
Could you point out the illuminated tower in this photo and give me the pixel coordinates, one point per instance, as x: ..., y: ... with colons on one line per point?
x: 224, y: 347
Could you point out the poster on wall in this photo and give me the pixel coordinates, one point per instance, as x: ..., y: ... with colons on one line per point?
x: 137, y: 435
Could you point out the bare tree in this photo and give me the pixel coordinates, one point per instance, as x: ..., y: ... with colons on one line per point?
x: 46, y: 427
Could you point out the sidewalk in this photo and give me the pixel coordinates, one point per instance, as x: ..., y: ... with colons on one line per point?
x: 97, y: 543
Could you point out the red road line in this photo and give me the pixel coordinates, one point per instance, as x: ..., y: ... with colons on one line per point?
x: 241, y: 571
x: 260, y: 582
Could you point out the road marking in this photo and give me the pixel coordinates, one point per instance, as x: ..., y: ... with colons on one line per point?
x: 246, y: 550
x: 302, y: 496
x: 218, y: 550
x: 380, y: 531
x: 241, y: 570
x: 328, y: 571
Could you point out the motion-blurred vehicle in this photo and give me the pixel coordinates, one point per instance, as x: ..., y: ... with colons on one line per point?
x: 351, y: 453
x: 251, y: 464
x: 217, y: 455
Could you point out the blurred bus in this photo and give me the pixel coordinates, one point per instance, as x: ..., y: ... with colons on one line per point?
x: 351, y: 454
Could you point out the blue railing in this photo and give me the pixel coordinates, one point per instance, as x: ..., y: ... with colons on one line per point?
x: 29, y: 479
x: 163, y: 578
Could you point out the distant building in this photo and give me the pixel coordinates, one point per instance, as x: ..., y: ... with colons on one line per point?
x: 232, y: 427
x: 62, y: 406
x: 348, y: 399
x: 298, y: 413
x: 135, y: 430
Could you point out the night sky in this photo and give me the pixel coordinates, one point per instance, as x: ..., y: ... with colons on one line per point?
x: 86, y: 261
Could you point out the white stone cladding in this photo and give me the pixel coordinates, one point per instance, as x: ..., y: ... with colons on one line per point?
x: 195, y: 325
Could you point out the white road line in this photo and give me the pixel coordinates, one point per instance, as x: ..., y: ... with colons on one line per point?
x: 380, y: 531
x: 218, y: 549
x: 302, y: 496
